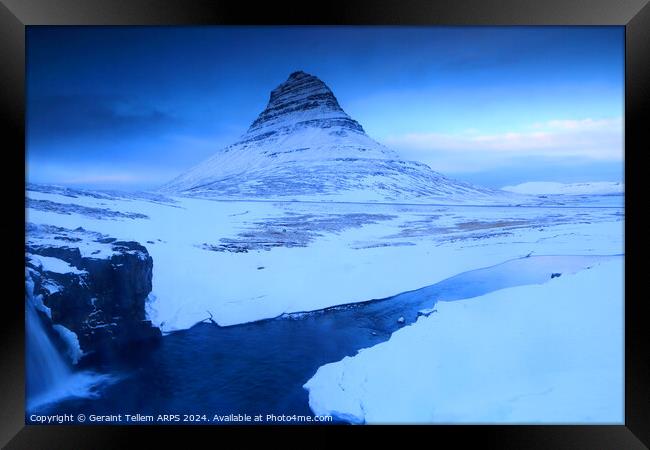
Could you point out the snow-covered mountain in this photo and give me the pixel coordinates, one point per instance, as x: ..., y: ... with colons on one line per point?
x: 304, y: 146
x: 547, y: 187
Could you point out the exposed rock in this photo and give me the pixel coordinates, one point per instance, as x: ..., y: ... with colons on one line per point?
x: 102, y: 297
x: 303, y: 144
x: 291, y: 231
x: 301, y: 93
x: 426, y: 312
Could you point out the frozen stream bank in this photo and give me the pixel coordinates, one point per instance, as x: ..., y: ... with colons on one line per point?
x: 261, y: 367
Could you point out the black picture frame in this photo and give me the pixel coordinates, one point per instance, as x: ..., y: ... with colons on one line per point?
x: 15, y: 15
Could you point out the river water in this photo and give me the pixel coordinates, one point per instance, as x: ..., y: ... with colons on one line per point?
x: 260, y: 367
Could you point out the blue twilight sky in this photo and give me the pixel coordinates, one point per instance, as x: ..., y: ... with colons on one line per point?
x: 132, y: 107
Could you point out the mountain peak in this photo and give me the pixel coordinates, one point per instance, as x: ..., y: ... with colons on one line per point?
x: 303, y: 100
x: 298, y: 74
x: 304, y: 146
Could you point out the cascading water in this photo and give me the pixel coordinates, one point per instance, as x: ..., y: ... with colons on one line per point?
x: 49, y: 378
x: 45, y: 367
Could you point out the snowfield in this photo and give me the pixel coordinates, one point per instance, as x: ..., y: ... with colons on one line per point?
x: 550, y: 353
x: 245, y: 261
x: 547, y: 187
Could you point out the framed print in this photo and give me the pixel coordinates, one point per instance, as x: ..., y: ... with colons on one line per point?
x: 359, y: 218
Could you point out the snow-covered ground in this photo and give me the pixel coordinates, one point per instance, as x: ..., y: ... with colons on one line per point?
x: 547, y: 187
x: 550, y: 353
x: 56, y: 265
x: 241, y: 261
x: 537, y: 353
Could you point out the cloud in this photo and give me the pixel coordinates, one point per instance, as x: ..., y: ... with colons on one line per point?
x: 64, y: 117
x: 600, y: 139
x: 614, y: 124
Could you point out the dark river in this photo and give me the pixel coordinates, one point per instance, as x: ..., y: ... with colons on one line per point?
x: 260, y: 367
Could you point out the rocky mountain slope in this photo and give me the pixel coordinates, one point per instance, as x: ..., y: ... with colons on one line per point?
x: 304, y: 146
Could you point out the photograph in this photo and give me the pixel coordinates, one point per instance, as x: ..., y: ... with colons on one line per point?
x: 324, y: 225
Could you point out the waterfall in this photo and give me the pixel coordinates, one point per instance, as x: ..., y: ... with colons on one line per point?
x: 45, y: 367
x: 49, y: 378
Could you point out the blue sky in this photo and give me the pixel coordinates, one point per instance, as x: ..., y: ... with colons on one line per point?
x: 132, y: 107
